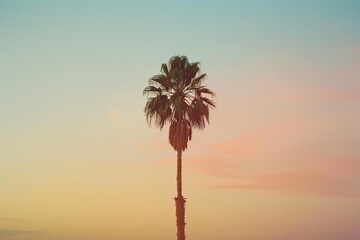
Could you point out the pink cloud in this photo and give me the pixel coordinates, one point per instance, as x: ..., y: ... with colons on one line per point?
x: 303, y: 154
x: 297, y: 183
x: 283, y: 137
x: 213, y: 166
x: 281, y: 77
x: 317, y: 94
x: 331, y: 176
x: 317, y: 176
x: 247, y: 145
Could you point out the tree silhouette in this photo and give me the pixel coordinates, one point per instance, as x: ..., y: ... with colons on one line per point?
x: 177, y: 97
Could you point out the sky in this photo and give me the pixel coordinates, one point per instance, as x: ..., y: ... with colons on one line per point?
x: 279, y: 160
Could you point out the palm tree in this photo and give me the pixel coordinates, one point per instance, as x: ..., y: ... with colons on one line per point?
x: 177, y: 97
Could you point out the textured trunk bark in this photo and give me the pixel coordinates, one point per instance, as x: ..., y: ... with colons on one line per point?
x: 180, y: 201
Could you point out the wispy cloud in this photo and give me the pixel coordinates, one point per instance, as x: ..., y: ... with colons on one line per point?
x: 332, y: 177
x: 306, y: 95
x: 283, y: 167
x: 12, y: 219
x: 10, y: 233
x: 296, y: 183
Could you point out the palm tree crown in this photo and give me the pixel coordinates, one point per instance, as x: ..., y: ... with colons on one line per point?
x: 177, y: 97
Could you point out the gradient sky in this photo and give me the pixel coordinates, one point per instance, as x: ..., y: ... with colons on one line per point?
x: 280, y: 160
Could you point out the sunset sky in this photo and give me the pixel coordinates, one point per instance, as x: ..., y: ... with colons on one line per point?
x: 279, y: 161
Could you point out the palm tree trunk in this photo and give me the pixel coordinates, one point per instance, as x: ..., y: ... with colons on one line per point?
x: 178, y: 176
x: 180, y: 201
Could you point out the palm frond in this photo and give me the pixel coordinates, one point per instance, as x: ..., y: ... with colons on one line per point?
x: 191, y: 71
x: 158, y: 110
x: 152, y: 90
x: 165, y: 69
x: 196, y: 82
x: 175, y: 63
x: 161, y: 81
x: 178, y: 98
x: 208, y: 101
x: 199, y: 113
x: 203, y: 90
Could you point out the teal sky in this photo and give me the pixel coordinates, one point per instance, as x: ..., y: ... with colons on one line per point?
x: 84, y: 45
x: 281, y: 157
